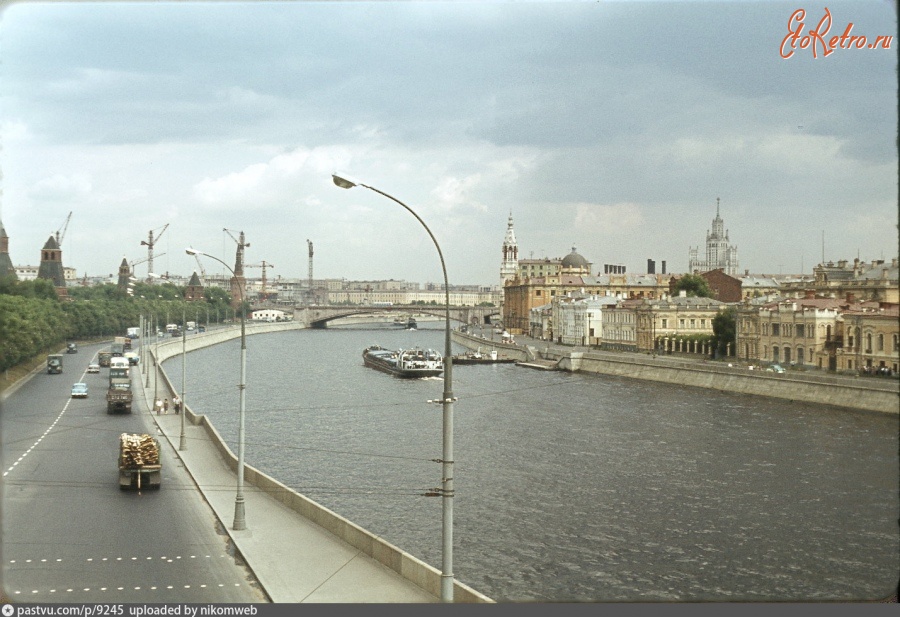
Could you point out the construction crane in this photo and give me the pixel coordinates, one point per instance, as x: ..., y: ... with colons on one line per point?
x: 239, y: 256
x: 61, y: 232
x: 202, y: 270
x: 132, y: 264
x: 262, y: 265
x: 150, y: 243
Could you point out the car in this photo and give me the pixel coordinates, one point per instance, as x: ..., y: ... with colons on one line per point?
x: 775, y: 368
x: 79, y: 390
x: 93, y: 368
x: 71, y: 348
x: 201, y: 329
x: 132, y: 357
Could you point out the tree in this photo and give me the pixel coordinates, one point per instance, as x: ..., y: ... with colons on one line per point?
x: 695, y: 286
x: 725, y: 329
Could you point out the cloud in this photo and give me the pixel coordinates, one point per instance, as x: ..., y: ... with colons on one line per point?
x: 61, y: 187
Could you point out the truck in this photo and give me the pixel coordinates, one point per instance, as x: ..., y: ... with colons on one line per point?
x: 119, y: 395
x: 103, y: 358
x: 124, y: 341
x: 54, y: 363
x: 117, y: 350
x: 133, y: 333
x: 139, y: 462
x: 191, y: 326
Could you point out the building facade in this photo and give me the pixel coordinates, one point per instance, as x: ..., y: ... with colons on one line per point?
x: 870, y: 339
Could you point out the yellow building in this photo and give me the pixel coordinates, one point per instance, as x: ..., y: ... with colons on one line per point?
x: 871, y: 339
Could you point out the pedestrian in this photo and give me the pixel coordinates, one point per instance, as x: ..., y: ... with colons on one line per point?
x: 166, y: 407
x: 158, y: 406
x: 176, y: 403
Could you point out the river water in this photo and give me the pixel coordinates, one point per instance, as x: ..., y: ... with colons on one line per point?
x: 571, y: 487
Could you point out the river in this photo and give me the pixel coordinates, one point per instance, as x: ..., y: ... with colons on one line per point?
x: 571, y: 487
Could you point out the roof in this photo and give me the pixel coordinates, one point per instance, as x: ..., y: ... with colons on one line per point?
x: 574, y: 260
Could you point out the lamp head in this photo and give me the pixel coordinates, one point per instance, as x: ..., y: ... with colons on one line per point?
x: 191, y: 251
x: 343, y: 181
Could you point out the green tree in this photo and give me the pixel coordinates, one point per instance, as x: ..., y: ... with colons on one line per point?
x: 725, y: 330
x: 695, y: 286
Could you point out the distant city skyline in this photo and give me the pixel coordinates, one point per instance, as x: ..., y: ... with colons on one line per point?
x: 612, y: 127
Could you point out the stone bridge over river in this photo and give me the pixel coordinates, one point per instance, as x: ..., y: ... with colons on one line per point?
x: 319, y: 316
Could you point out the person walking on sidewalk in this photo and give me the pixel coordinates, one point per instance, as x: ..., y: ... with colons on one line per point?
x: 166, y: 407
x: 176, y: 403
x: 157, y: 406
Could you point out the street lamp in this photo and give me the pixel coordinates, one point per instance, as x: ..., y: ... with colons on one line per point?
x: 240, y: 521
x: 446, y: 490
x: 182, y: 442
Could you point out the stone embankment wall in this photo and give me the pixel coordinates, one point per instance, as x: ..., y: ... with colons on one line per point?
x: 401, y: 562
x: 864, y: 393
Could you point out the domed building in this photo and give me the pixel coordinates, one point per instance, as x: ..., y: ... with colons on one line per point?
x: 573, y: 263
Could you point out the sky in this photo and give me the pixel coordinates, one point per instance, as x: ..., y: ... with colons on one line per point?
x: 609, y: 127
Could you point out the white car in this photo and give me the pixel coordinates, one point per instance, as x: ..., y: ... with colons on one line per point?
x: 93, y: 368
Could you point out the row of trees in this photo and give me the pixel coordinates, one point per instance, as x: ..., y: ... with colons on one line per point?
x: 34, y: 321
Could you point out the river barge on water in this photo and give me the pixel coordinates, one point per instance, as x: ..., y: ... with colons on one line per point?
x: 415, y: 362
x: 476, y: 357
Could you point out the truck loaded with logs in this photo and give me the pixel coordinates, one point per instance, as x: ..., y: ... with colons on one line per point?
x: 139, y: 463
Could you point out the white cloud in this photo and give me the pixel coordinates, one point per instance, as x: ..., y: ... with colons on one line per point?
x: 60, y: 187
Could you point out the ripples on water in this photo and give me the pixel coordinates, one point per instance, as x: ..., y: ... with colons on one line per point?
x: 572, y: 487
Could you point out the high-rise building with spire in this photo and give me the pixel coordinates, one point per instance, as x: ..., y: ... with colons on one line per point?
x: 719, y: 253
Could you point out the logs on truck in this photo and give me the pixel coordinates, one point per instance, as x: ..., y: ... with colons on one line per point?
x: 139, y: 463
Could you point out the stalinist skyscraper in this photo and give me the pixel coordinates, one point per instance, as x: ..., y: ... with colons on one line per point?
x: 719, y: 254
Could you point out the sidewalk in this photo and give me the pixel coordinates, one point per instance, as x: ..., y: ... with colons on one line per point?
x: 294, y: 559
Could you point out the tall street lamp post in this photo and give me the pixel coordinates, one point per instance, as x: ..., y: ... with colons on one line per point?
x: 240, y: 521
x: 182, y: 442
x: 446, y: 491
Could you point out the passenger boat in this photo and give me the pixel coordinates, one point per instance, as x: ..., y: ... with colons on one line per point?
x: 415, y: 362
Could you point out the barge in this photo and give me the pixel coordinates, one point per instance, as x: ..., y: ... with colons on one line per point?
x: 415, y: 362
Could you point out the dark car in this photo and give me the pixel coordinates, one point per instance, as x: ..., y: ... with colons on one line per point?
x: 71, y: 348
x: 201, y: 328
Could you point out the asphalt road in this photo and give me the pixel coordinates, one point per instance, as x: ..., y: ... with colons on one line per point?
x: 69, y: 534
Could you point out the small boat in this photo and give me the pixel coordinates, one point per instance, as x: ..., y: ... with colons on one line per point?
x: 407, y: 323
x: 415, y: 362
x: 476, y: 357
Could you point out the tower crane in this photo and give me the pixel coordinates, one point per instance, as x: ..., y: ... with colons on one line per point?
x: 61, y: 232
x: 132, y: 264
x: 150, y: 243
x: 239, y: 256
x: 262, y: 265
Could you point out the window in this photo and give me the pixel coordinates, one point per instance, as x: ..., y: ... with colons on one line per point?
x: 693, y: 324
x: 775, y: 355
x: 880, y: 342
x: 776, y: 329
x: 800, y: 331
x: 681, y: 323
x: 702, y: 323
x: 665, y: 324
x: 896, y: 342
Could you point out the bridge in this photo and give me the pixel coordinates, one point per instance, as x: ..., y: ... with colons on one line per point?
x: 319, y: 316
